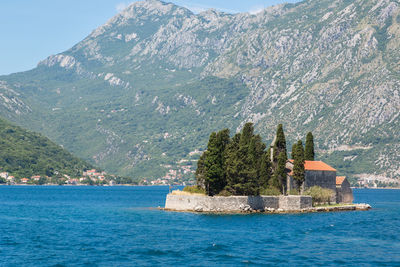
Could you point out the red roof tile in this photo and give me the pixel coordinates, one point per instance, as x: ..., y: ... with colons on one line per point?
x: 340, y: 179
x: 316, y: 166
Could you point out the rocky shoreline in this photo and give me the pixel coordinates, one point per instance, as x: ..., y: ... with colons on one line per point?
x: 252, y: 204
x: 246, y: 210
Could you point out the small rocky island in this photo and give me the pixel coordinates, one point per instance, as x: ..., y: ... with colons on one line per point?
x: 239, y: 174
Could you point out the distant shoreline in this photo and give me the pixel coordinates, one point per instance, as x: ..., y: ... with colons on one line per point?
x: 386, y: 188
x: 83, y: 185
x: 389, y: 188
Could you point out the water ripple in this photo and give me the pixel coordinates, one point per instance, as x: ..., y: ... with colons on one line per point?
x: 72, y: 226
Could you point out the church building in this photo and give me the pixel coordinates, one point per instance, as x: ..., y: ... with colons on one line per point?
x: 318, y: 173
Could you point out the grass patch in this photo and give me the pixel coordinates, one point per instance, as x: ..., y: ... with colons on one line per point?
x: 270, y: 192
x: 293, y: 192
x: 194, y: 190
x: 225, y: 193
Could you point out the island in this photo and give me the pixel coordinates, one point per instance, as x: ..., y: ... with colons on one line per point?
x: 239, y: 174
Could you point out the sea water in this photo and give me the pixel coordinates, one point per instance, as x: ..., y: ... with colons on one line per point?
x: 120, y: 226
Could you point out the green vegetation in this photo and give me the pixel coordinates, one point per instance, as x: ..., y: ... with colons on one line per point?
x: 309, y: 153
x: 194, y: 189
x: 293, y: 192
x: 121, y: 126
x: 224, y: 193
x: 24, y: 154
x: 240, y: 165
x: 279, y: 177
x: 214, y: 162
x: 271, y: 191
x: 298, y: 164
x: 320, y: 195
x: 280, y: 142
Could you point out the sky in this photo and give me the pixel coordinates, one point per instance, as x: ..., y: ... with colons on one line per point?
x: 30, y: 31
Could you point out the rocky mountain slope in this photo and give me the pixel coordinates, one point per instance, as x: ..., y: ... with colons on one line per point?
x: 146, y: 88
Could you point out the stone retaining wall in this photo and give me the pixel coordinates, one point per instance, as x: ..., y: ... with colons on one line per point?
x: 236, y: 203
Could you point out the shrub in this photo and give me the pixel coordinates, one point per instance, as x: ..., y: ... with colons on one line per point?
x: 319, y: 194
x: 293, y: 192
x: 224, y: 193
x: 194, y: 189
x: 270, y: 191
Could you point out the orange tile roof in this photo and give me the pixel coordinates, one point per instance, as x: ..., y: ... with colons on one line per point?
x: 340, y: 179
x: 316, y: 166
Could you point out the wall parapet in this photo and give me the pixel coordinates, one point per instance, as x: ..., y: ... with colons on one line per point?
x: 237, y: 203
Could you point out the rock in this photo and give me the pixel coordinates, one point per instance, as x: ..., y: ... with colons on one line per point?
x: 363, y: 206
x: 248, y: 208
x: 198, y: 209
x: 244, y: 207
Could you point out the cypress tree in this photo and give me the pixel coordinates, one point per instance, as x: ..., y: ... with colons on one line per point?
x: 298, y: 165
x: 294, y: 147
x: 247, y: 134
x: 255, y: 155
x: 280, y: 143
x: 223, y: 140
x: 213, y: 166
x: 246, y: 172
x: 243, y: 162
x: 265, y: 170
x: 256, y: 152
x: 200, y: 171
x: 214, y: 163
x: 231, y: 163
x: 309, y: 151
x: 279, y: 178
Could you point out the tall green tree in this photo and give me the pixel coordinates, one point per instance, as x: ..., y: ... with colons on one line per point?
x: 223, y: 140
x: 298, y: 165
x: 279, y: 178
x: 247, y: 174
x: 201, y: 171
x: 280, y: 143
x: 243, y: 162
x: 309, y: 150
x: 294, y: 147
x: 214, y: 162
x: 231, y: 163
x: 265, y: 170
x: 256, y: 152
x: 212, y: 165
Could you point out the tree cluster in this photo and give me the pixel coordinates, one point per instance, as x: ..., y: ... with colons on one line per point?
x: 241, y: 165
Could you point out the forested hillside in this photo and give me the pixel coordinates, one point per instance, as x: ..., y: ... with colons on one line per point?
x: 144, y: 90
x: 24, y: 154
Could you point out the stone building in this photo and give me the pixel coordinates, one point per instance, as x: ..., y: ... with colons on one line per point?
x: 318, y: 173
x: 344, y: 193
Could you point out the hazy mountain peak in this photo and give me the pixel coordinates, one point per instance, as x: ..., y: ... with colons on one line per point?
x: 154, y: 7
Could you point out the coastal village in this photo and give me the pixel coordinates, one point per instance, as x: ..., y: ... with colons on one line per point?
x: 89, y: 177
x: 180, y: 173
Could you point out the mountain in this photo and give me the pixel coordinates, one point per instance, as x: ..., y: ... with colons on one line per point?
x: 144, y: 90
x: 24, y: 154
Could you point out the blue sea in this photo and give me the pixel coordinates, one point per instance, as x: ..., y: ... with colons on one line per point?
x: 120, y: 226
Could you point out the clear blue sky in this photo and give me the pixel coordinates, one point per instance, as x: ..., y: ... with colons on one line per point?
x: 31, y: 30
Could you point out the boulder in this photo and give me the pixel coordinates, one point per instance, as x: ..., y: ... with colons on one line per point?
x: 198, y: 209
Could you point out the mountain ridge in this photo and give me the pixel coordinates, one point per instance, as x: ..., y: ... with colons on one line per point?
x: 326, y: 66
